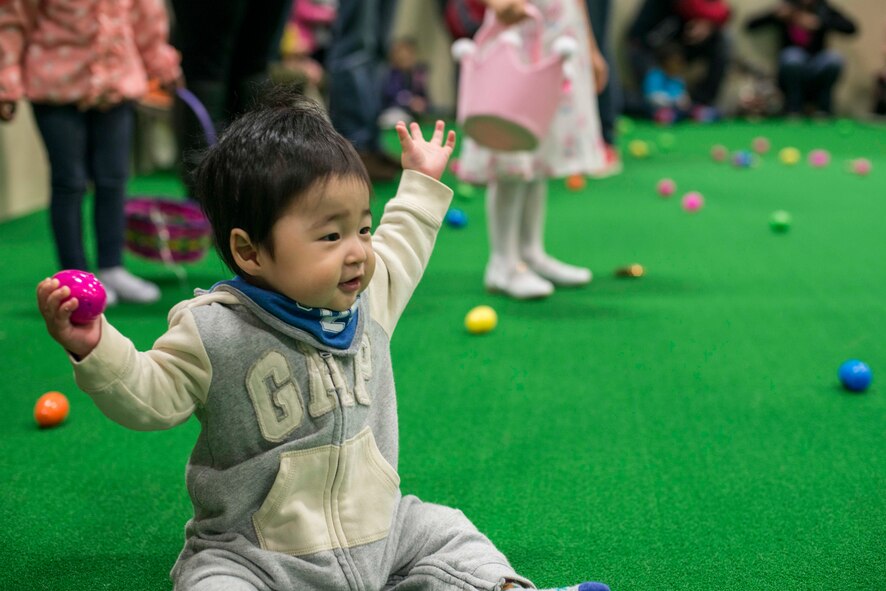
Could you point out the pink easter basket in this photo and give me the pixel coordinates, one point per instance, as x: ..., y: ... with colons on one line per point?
x: 505, y: 103
x: 168, y: 230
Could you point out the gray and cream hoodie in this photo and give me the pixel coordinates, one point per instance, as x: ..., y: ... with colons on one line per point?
x: 297, y: 452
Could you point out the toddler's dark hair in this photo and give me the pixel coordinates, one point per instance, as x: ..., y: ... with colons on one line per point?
x: 265, y: 161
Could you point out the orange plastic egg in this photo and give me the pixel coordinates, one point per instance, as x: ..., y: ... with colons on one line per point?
x: 51, y: 409
x: 575, y: 182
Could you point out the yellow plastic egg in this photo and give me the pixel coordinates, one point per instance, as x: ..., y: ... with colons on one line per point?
x: 481, y: 319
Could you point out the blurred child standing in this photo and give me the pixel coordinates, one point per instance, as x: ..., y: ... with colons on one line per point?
x: 405, y: 93
x: 81, y: 63
x: 517, y: 191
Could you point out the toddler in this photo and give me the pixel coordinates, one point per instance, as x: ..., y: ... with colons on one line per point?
x: 406, y: 86
x: 293, y: 477
x: 81, y: 63
x: 664, y: 86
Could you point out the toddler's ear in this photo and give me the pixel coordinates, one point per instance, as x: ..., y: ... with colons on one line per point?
x: 245, y: 253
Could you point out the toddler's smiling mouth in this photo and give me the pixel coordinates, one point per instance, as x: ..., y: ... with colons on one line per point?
x: 352, y: 284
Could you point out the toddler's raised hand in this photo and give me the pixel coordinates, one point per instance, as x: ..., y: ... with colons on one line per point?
x: 79, y: 339
x: 430, y: 157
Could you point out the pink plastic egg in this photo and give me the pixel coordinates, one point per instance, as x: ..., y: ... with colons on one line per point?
x: 862, y: 166
x: 666, y: 187
x: 88, y: 290
x: 819, y: 158
x: 760, y: 145
x: 719, y: 153
x: 693, y: 201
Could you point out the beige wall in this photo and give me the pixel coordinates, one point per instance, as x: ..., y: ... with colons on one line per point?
x: 864, y: 52
x: 24, y: 181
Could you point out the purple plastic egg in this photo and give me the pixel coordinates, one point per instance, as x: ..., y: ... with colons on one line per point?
x: 88, y: 290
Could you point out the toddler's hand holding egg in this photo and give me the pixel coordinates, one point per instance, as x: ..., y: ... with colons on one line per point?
x: 90, y: 294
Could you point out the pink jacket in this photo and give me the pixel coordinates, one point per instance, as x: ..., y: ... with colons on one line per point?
x: 89, y: 52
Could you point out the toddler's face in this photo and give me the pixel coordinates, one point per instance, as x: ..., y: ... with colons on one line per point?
x: 323, y: 254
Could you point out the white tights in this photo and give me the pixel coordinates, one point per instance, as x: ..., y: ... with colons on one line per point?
x: 518, y: 264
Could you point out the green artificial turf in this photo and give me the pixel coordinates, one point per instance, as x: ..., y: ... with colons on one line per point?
x: 684, y: 430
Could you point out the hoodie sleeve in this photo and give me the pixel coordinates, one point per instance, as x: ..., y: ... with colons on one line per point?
x: 834, y: 20
x: 403, y: 243
x: 151, y: 390
x: 16, y: 21
x: 150, y: 24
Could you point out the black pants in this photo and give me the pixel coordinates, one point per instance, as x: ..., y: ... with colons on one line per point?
x: 225, y: 47
x: 83, y: 146
x: 600, y: 11
x: 356, y: 62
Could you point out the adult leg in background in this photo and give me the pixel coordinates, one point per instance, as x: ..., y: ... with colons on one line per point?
x: 356, y: 60
x: 792, y: 78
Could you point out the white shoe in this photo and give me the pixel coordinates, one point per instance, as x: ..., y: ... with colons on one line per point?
x: 558, y: 272
x: 110, y: 296
x: 127, y: 287
x: 519, y: 282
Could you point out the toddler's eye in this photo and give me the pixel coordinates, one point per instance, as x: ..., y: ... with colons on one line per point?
x: 331, y: 237
x: 365, y: 230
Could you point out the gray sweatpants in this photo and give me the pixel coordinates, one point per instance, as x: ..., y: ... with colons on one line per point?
x: 429, y: 548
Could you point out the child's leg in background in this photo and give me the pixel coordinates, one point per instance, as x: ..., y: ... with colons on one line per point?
x: 532, y: 249
x: 506, y: 272
x: 109, y: 138
x: 63, y: 128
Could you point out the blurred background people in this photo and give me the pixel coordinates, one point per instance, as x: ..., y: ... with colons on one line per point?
x: 405, y: 90
x: 807, y: 69
x: 697, y: 26
x: 664, y: 87
x: 356, y: 64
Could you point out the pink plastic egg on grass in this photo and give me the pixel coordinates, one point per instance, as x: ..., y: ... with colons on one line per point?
x: 720, y: 153
x: 88, y: 290
x: 819, y: 158
x: 760, y: 145
x: 862, y: 166
x: 666, y: 187
x: 693, y: 201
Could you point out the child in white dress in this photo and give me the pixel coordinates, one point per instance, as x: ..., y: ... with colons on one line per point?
x: 517, y: 189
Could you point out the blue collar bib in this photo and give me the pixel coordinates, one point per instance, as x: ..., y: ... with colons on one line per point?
x: 330, y: 327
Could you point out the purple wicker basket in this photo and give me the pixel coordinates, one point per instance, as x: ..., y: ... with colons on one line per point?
x: 168, y: 231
